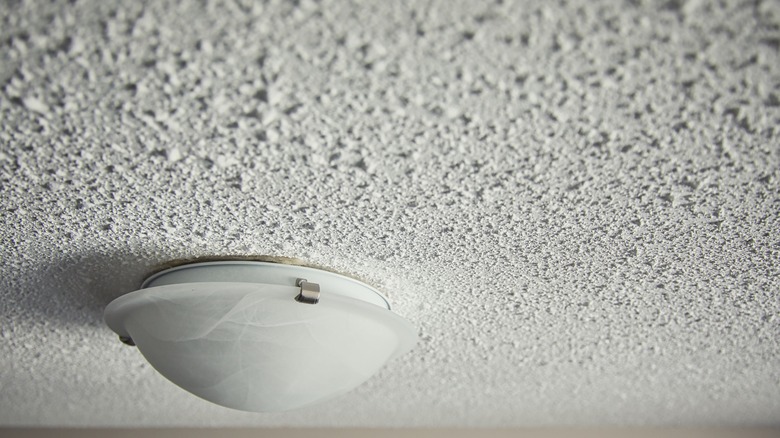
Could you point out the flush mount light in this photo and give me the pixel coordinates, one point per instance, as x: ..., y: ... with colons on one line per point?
x: 258, y: 336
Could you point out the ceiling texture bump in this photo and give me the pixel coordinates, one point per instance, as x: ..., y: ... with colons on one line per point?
x: 576, y: 202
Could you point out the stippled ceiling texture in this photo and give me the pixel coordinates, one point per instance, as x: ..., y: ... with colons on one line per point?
x: 577, y: 203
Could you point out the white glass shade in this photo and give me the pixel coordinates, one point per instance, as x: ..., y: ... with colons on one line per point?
x: 253, y: 347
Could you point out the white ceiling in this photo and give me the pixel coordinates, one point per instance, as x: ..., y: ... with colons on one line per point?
x: 577, y: 203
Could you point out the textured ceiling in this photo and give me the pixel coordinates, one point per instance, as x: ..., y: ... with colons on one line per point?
x: 577, y: 203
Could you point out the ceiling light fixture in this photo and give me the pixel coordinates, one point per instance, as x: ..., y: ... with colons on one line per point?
x: 259, y: 336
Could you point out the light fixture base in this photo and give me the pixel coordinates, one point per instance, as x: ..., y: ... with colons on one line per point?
x: 268, y: 273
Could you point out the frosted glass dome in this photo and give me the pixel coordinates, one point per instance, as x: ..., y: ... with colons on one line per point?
x: 254, y: 347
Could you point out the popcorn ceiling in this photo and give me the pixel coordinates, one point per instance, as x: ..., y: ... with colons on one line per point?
x: 577, y: 203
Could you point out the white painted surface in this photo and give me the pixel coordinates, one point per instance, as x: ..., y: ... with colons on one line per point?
x: 576, y: 204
